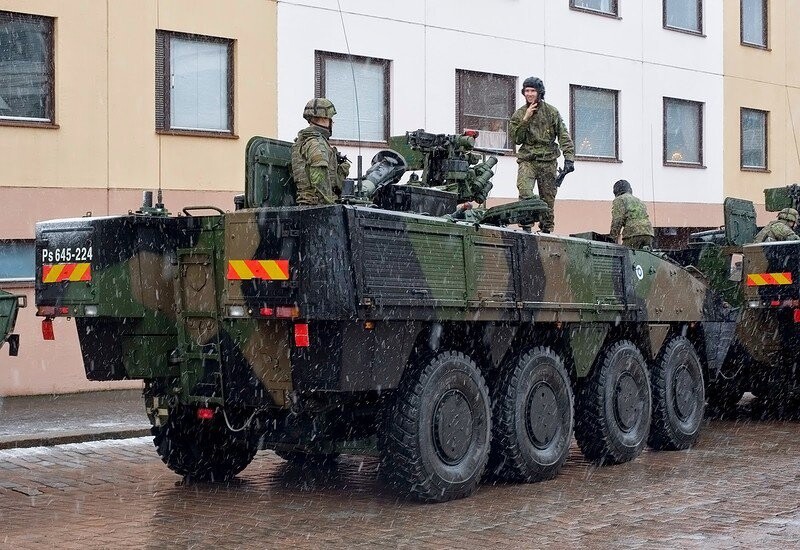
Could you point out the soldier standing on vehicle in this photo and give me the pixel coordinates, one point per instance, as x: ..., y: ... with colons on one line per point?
x: 535, y: 128
x: 629, y: 217
x: 781, y: 229
x: 317, y: 167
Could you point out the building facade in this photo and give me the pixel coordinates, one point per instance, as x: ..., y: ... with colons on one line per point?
x: 689, y: 100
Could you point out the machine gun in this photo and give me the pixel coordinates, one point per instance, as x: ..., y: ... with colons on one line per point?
x: 453, y: 163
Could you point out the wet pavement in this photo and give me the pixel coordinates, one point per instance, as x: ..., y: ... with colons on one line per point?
x: 739, y: 487
x: 52, y: 419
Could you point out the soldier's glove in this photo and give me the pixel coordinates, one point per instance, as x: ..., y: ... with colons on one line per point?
x: 340, y: 158
x: 569, y: 166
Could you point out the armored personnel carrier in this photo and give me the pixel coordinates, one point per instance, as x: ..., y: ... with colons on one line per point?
x: 9, y: 308
x: 398, y: 322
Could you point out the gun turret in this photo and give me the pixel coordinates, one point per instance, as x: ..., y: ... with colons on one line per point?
x: 450, y: 162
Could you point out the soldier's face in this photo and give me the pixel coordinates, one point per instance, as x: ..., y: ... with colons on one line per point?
x: 531, y: 95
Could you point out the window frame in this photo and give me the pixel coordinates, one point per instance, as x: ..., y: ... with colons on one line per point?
x: 614, y: 14
x: 51, y: 73
x: 164, y: 97
x: 591, y: 158
x: 765, y: 30
x: 700, y: 22
x: 25, y: 281
x: 512, y: 104
x: 681, y: 164
x: 319, y: 90
x: 742, y: 167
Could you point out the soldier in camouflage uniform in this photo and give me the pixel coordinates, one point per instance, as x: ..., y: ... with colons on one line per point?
x: 535, y: 128
x: 317, y: 167
x: 781, y: 229
x: 630, y: 213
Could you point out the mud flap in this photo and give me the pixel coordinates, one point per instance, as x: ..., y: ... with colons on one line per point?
x: 719, y: 336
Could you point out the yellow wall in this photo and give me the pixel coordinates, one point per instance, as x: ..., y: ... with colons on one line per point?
x: 105, y: 97
x: 767, y: 80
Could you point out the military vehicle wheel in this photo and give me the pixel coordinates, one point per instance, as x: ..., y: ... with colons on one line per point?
x: 533, y: 417
x: 438, y: 433
x: 678, y: 396
x: 202, y: 450
x: 613, y: 412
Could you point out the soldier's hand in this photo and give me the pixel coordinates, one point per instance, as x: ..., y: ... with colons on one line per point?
x: 530, y: 111
x: 569, y: 166
x: 340, y: 158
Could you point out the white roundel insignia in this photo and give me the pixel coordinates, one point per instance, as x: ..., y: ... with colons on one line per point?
x: 639, y: 272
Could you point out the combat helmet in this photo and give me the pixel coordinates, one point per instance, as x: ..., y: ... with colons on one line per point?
x: 536, y: 83
x: 319, y: 107
x: 622, y: 186
x: 788, y: 215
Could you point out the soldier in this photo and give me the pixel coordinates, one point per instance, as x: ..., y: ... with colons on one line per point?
x: 317, y: 167
x: 629, y: 212
x: 535, y: 128
x: 781, y: 229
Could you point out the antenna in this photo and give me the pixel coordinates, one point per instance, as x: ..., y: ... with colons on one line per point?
x: 355, y: 90
x: 794, y: 131
x: 652, y: 179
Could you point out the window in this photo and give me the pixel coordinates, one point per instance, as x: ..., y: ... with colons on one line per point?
x: 17, y: 260
x: 359, y: 89
x: 606, y: 7
x: 684, y: 15
x: 194, y: 84
x: 485, y: 102
x: 26, y: 69
x: 754, y: 139
x: 683, y: 132
x: 593, y: 119
x: 754, y: 23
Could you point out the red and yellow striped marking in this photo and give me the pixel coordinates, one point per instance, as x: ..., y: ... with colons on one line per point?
x: 55, y: 273
x: 762, y: 279
x: 268, y: 270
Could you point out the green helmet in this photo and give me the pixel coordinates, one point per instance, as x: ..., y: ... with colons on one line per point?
x: 319, y: 107
x: 788, y: 214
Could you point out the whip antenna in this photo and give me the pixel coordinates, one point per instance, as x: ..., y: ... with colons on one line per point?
x: 355, y: 90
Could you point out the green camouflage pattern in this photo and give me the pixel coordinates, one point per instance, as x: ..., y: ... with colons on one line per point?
x: 776, y: 230
x: 314, y: 167
x: 294, y: 327
x: 629, y: 217
x: 537, y: 137
x: 9, y: 308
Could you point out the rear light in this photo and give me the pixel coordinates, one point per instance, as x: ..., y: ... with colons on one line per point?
x: 205, y: 413
x: 90, y: 311
x: 47, y: 329
x: 775, y: 303
x: 301, y: 339
x: 797, y: 316
x: 287, y: 312
x: 51, y: 311
x: 754, y: 304
x: 266, y: 312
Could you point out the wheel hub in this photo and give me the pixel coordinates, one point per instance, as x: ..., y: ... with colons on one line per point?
x: 542, y: 415
x: 453, y: 424
x: 684, y: 388
x: 627, y: 403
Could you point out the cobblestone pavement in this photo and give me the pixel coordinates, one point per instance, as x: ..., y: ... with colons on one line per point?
x: 739, y: 487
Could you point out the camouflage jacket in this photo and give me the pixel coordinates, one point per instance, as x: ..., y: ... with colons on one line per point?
x: 776, y: 230
x: 630, y: 213
x: 315, y: 168
x: 537, y: 137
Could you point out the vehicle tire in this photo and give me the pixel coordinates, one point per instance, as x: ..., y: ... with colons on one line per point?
x: 614, y: 406
x: 533, y: 417
x: 202, y: 450
x: 678, y: 396
x: 438, y: 433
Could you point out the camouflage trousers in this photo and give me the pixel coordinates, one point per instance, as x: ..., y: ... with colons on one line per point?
x: 638, y: 241
x: 543, y: 173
